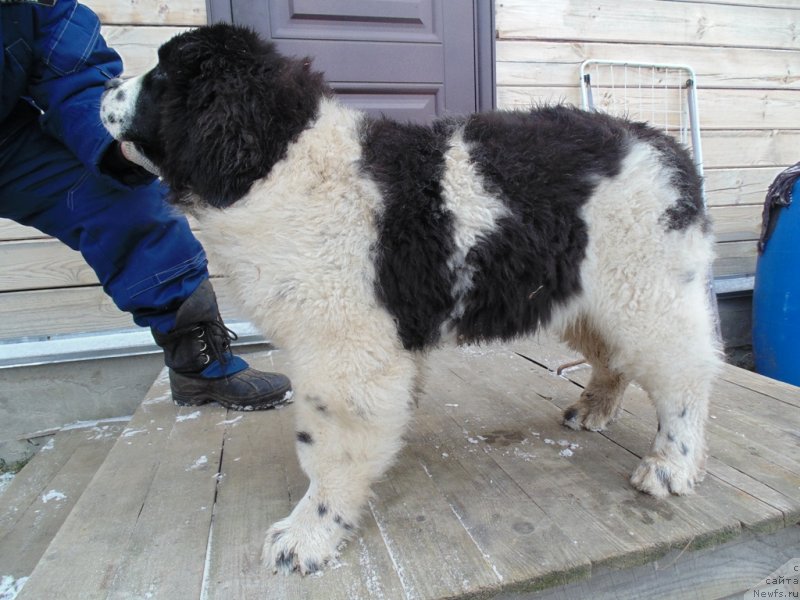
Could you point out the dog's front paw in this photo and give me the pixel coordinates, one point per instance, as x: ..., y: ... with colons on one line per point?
x: 306, y: 540
x: 658, y: 476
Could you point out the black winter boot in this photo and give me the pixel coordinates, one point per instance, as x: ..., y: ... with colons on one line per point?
x: 202, y: 368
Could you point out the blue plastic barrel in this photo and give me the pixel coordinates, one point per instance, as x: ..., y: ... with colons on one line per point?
x: 776, y: 298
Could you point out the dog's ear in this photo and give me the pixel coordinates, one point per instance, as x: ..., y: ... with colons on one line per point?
x: 240, y: 106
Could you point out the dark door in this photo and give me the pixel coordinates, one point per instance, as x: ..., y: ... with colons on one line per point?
x: 409, y: 59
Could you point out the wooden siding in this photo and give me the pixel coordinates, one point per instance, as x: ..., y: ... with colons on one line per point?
x: 746, y: 55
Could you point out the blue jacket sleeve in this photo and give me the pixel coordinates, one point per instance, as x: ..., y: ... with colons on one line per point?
x: 73, y: 63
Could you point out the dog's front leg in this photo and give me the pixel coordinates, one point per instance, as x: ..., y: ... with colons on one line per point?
x: 346, y: 438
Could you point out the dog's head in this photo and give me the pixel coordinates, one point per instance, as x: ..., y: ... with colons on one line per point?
x: 216, y: 113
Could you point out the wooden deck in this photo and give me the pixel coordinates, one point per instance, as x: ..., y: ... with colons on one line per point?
x: 491, y: 497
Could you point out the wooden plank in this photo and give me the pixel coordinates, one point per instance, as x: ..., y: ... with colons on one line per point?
x: 149, y: 12
x: 22, y: 547
x: 554, y: 63
x: 757, y: 3
x: 42, y: 313
x: 258, y: 488
x: 735, y: 258
x: 720, y: 572
x: 648, y: 21
x: 138, y: 45
x: 175, y: 519
x: 45, y: 263
x: 758, y: 148
x: 103, y: 523
x: 779, y: 390
x: 9, y: 230
x: 738, y: 186
x: 26, y: 489
x: 39, y: 264
x: 736, y: 223
x: 417, y: 522
x: 718, y: 109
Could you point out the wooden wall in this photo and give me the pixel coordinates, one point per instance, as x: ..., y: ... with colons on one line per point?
x: 746, y: 54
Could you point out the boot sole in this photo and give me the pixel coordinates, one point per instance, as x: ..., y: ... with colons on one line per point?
x: 279, y: 398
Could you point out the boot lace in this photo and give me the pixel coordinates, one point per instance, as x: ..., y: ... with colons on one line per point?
x: 215, y: 337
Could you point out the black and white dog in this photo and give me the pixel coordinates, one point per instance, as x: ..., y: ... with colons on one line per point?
x: 360, y: 242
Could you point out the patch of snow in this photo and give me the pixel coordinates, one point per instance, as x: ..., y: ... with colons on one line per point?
x: 453, y: 405
x: 231, y: 421
x: 53, y: 495
x: 165, y: 397
x: 51, y: 443
x: 91, y: 424
x: 5, y: 481
x: 370, y: 573
x: 10, y: 587
x: 182, y: 418
x: 406, y: 583
x: 131, y: 432
x: 526, y: 456
x: 548, y: 441
x: 199, y: 463
x: 565, y: 452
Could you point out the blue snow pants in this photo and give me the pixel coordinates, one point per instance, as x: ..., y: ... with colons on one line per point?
x: 142, y: 251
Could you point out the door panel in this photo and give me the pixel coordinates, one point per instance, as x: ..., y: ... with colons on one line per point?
x: 365, y: 20
x: 409, y: 59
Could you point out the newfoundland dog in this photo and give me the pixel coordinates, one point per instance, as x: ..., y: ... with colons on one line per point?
x: 359, y: 242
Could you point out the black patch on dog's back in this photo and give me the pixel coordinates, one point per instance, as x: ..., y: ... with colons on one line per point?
x: 689, y: 208
x: 415, y: 230
x: 544, y: 165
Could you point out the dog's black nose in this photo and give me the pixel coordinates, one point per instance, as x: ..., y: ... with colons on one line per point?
x: 113, y: 83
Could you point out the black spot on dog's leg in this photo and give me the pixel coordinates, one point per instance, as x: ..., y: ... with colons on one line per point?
x: 312, y: 566
x: 322, y: 510
x: 684, y: 411
x: 318, y: 404
x: 664, y: 478
x: 684, y: 449
x: 305, y: 437
x: 342, y: 523
x: 671, y: 436
x: 285, y: 560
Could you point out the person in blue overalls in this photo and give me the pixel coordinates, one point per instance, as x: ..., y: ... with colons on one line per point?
x: 62, y: 173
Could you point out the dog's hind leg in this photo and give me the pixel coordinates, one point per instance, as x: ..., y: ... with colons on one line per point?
x: 673, y: 356
x: 680, y: 391
x: 352, y: 406
x: 601, y: 401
